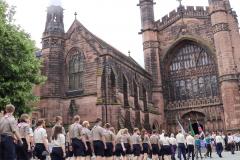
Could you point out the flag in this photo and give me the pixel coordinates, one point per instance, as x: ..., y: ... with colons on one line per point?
x: 200, y: 130
x: 180, y: 125
x: 190, y: 128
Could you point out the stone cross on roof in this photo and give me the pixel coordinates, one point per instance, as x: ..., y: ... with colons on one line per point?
x: 75, y: 14
x: 180, y: 2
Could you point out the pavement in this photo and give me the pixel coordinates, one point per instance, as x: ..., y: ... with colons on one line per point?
x: 226, y: 156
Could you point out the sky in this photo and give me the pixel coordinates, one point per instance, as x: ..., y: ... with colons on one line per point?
x: 117, y: 22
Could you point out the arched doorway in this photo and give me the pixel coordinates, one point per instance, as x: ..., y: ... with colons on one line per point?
x: 190, y: 82
x: 194, y: 118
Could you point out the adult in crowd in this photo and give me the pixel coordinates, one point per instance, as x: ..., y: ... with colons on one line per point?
x: 155, y: 145
x: 219, y: 144
x: 237, y: 140
x: 231, y: 143
x: 86, y: 133
x: 8, y: 131
x: 190, y: 145
x: 24, y: 132
x: 127, y: 143
x: 208, y: 144
x: 58, y: 144
x: 110, y: 142
x: 198, y: 147
x: 173, y: 144
x: 145, y: 144
x: 99, y: 143
x: 40, y: 139
x: 136, y: 144
x: 120, y: 150
x: 77, y: 140
x: 181, y: 145
x: 58, y: 122
x: 165, y: 147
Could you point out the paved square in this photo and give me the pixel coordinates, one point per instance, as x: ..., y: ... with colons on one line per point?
x: 226, y: 156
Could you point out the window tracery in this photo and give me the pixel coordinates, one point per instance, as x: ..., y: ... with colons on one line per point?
x: 76, y: 71
x: 190, y: 73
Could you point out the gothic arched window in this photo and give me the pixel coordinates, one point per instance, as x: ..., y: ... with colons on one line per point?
x: 76, y: 70
x: 190, y: 72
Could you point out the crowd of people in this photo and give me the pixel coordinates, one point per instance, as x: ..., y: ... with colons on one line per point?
x: 20, y: 142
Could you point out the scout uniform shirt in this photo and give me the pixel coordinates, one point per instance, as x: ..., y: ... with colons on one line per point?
x: 87, y: 134
x: 109, y: 136
x: 8, y: 125
x: 97, y: 133
x: 24, y: 129
x: 75, y: 131
x: 126, y: 138
x: 154, y: 139
x: 146, y: 139
x: 136, y: 139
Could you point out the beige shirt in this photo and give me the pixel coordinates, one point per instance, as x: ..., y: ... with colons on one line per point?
x: 75, y: 131
x: 146, y: 139
x: 8, y: 125
x: 126, y: 138
x: 136, y: 139
x: 97, y: 133
x: 119, y: 139
x: 86, y: 133
x: 154, y: 139
x: 109, y: 136
x: 24, y: 129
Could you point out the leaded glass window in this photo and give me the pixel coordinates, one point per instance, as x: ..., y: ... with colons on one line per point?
x: 76, y: 70
x: 190, y: 72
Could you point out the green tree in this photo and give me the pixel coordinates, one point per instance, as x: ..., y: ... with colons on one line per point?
x: 19, y: 67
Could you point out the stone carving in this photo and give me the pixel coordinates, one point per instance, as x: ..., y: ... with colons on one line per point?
x: 220, y: 27
x: 150, y: 44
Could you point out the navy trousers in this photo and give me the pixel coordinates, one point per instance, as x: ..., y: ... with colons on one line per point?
x: 7, y: 148
x: 219, y: 149
x: 181, y: 151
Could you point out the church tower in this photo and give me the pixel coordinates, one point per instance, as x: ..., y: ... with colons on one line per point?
x: 151, y: 51
x: 227, y: 57
x: 52, y: 50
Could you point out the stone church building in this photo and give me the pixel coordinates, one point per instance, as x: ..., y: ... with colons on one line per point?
x: 192, y: 66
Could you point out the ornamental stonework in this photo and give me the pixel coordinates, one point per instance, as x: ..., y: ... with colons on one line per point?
x: 220, y: 27
x: 150, y: 44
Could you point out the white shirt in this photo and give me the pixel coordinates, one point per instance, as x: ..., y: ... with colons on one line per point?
x: 219, y: 139
x: 172, y: 141
x: 230, y: 139
x: 39, y: 134
x: 190, y: 140
x: 164, y: 141
x: 237, y: 138
x: 180, y: 138
x: 60, y: 141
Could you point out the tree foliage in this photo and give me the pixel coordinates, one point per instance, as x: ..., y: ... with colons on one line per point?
x: 19, y: 67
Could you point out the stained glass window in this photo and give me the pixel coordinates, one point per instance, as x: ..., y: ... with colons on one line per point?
x: 76, y: 69
x: 190, y: 72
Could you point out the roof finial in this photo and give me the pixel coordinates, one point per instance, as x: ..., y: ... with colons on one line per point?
x: 75, y: 14
x: 129, y: 53
x: 180, y: 2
